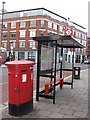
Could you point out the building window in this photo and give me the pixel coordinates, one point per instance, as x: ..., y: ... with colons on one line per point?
x: 78, y: 49
x: 79, y: 35
x: 82, y: 36
x: 13, y: 24
x: 82, y: 50
x: 4, y: 25
x: 13, y: 34
x: 48, y: 32
x: 61, y: 28
x: 79, y: 41
x: 4, y: 44
x: 54, y: 26
x: 22, y: 33
x: 31, y: 56
x: 21, y: 44
x: 85, y: 37
x: 41, y: 32
x: 42, y: 23
x: 31, y: 44
x: 76, y: 34
x: 33, y: 23
x: 68, y: 49
x: 84, y: 43
x: 12, y: 44
x: 32, y: 33
x: 21, y: 55
x: 49, y: 24
x: 4, y: 35
x: 23, y: 24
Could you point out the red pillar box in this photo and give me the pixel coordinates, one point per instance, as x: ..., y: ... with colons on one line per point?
x: 20, y: 81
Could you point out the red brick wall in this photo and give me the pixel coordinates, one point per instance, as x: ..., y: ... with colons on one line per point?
x: 27, y: 28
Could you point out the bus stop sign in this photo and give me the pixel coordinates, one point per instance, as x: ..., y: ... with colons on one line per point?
x: 68, y: 32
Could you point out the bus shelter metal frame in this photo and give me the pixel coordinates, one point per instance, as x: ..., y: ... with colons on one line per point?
x: 59, y: 41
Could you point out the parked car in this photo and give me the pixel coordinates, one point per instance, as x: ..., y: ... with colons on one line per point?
x: 87, y: 61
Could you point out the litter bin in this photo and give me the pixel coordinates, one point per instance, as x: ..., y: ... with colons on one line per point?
x: 77, y: 72
x: 20, y: 83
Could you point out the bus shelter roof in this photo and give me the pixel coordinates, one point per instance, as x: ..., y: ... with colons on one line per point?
x: 62, y: 41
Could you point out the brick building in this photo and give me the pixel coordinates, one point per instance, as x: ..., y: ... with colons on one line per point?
x: 88, y: 45
x: 19, y: 28
x: 88, y: 48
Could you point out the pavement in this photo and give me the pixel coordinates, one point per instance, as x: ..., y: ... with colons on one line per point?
x: 70, y: 103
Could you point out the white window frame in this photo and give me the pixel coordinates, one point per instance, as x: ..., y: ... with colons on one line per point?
x: 79, y: 34
x: 21, y: 43
x: 49, y: 24
x: 12, y: 33
x: 13, y: 24
x: 4, y: 43
x: 42, y: 23
x: 32, y: 23
x: 76, y: 34
x: 32, y: 44
x: 85, y: 37
x: 76, y: 50
x: 32, y: 33
x: 22, y: 33
x: 54, y: 26
x: 84, y: 43
x: 22, y: 24
x: 13, y: 43
x: 82, y: 50
x: 79, y: 50
x: 5, y: 24
x: 61, y: 28
x: 30, y: 56
x: 5, y: 34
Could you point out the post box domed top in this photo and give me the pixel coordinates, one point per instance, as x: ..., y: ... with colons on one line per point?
x: 20, y: 63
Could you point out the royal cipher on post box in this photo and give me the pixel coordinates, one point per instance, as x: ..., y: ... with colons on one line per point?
x: 20, y: 85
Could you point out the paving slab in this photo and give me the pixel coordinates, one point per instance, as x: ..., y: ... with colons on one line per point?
x: 70, y: 103
x: 80, y: 114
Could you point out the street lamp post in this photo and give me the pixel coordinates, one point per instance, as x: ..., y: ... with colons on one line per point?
x: 2, y: 21
x: 11, y: 54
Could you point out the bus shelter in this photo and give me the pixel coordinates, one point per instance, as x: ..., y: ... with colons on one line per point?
x: 47, y: 61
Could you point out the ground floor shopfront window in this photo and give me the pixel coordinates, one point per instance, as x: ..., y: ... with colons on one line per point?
x: 77, y: 58
x: 83, y: 59
x: 21, y: 55
x: 12, y: 55
x: 31, y: 56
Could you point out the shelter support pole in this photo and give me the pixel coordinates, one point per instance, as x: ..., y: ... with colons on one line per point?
x: 51, y: 78
x: 38, y: 70
x: 72, y: 69
x: 61, y: 63
x: 55, y: 71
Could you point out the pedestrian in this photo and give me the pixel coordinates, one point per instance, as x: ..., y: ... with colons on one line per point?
x: 7, y: 59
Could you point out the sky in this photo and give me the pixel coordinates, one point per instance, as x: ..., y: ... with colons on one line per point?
x: 76, y: 10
